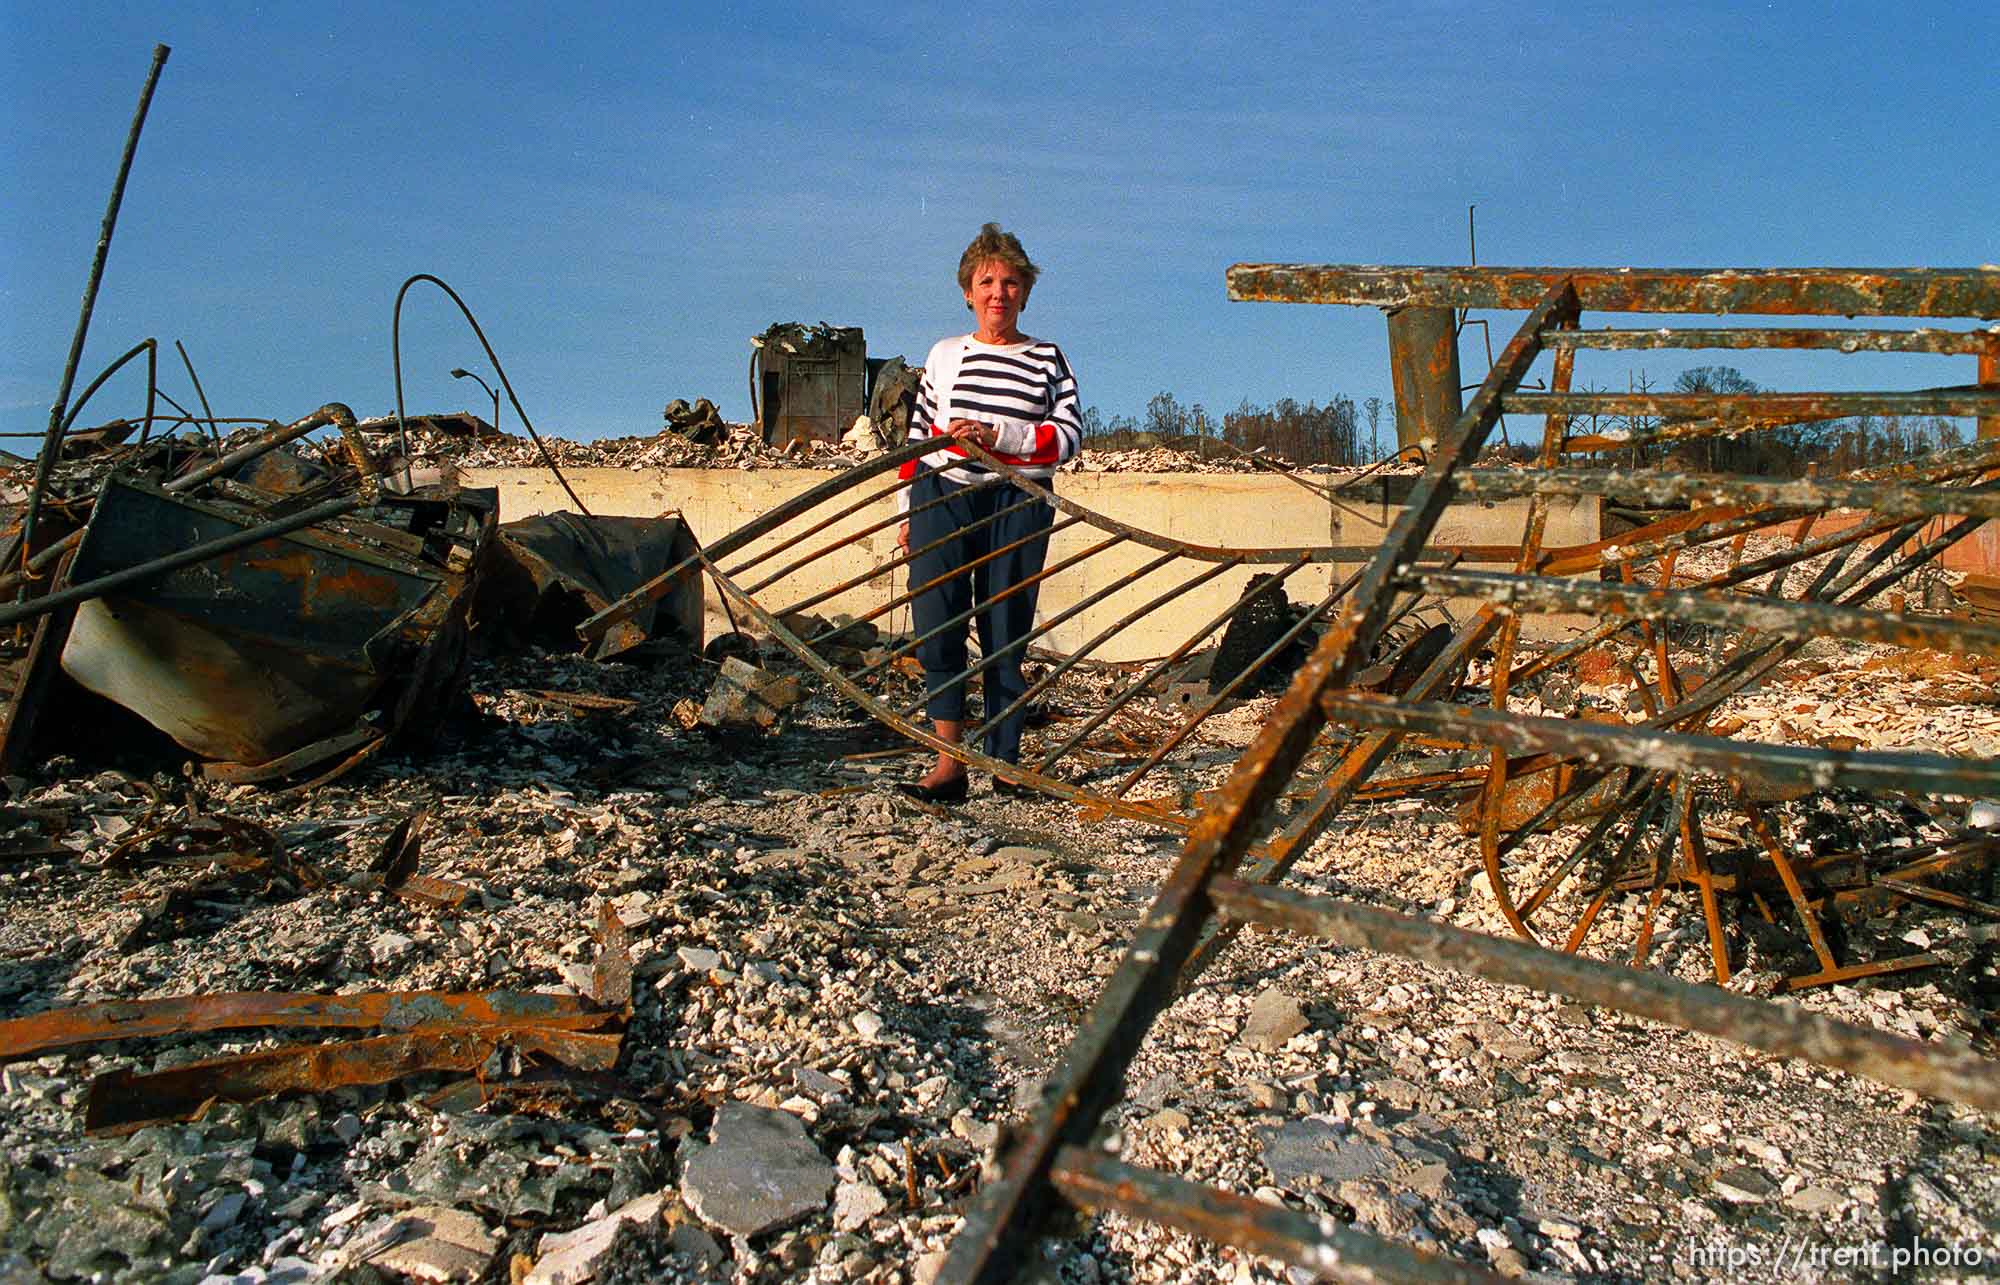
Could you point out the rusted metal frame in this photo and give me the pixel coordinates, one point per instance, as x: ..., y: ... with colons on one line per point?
x: 1091, y: 1179
x: 591, y: 630
x: 876, y: 497
x: 847, y: 687
x: 904, y: 559
x: 986, y: 662
x: 1937, y: 896
x: 1783, y: 1030
x: 1989, y: 377
x: 333, y: 413
x: 1662, y: 489
x: 1878, y: 771
x: 1137, y: 687
x: 208, y: 414
x: 151, y: 347
x: 1731, y: 408
x: 121, y: 1100
x: 993, y: 1240
x: 845, y: 540
x: 1800, y: 292
x: 1694, y: 864
x: 1493, y: 797
x: 1782, y: 618
x: 1645, y: 797
x: 1215, y: 699
x: 1103, y: 636
x: 1767, y: 835
x: 1924, y: 339
x: 407, y: 1012
x: 1652, y: 809
x: 1908, y: 861
x: 1681, y: 797
x: 45, y: 465
x: 917, y: 591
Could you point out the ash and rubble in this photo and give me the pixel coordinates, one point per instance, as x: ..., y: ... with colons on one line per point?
x: 858, y: 995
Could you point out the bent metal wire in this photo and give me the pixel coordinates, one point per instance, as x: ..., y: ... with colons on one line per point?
x: 1653, y: 780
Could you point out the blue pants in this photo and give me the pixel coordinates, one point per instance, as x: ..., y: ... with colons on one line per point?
x: 1001, y: 624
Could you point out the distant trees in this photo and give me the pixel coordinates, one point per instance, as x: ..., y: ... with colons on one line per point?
x: 1302, y: 433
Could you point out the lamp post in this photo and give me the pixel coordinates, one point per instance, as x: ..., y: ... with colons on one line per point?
x: 466, y: 374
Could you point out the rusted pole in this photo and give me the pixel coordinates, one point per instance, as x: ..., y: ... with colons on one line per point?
x: 1989, y: 377
x: 47, y: 462
x: 1423, y: 362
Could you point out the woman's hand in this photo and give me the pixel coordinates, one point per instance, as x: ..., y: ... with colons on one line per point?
x: 973, y: 431
x: 903, y: 537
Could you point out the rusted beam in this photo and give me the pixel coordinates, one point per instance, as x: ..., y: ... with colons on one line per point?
x: 1780, y: 617
x: 1880, y: 771
x: 1921, y: 340
x: 1320, y: 1245
x: 1989, y: 378
x: 1807, y: 292
x: 120, y: 1101
x: 1656, y: 489
x: 1779, y: 1029
x: 1772, y: 408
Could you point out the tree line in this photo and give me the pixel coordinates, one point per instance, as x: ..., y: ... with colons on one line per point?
x: 1343, y: 434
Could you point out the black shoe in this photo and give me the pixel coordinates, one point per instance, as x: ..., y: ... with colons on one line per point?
x: 952, y: 791
x: 1009, y: 790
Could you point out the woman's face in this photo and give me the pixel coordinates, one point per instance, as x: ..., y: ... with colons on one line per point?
x: 997, y: 292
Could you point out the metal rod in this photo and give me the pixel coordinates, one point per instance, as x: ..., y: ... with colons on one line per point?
x: 47, y: 462
x: 214, y: 434
x: 1780, y: 1029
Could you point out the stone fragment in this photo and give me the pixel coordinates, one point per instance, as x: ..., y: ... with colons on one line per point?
x: 759, y: 1172
x: 1376, y: 1209
x: 746, y: 696
x: 1744, y: 1185
x: 569, y: 1257
x: 867, y: 1025
x: 1304, y: 1154
x: 1265, y: 1097
x: 854, y: 1203
x: 700, y: 959
x: 1814, y: 1200
x: 389, y: 947
x: 1274, y: 1018
x: 439, y: 1244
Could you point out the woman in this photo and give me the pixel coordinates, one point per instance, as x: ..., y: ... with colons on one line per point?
x: 1013, y: 396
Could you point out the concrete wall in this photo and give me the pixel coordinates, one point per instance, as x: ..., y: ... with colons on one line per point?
x: 1235, y: 510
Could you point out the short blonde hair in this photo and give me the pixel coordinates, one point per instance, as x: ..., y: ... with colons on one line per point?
x: 992, y: 244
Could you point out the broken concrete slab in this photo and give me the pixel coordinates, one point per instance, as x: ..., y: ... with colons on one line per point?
x: 745, y: 696
x: 567, y: 1258
x: 759, y: 1172
x: 441, y: 1244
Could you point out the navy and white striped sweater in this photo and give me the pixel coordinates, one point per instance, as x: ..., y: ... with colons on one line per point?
x: 1025, y: 390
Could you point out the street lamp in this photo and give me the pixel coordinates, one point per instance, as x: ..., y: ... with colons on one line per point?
x: 466, y: 374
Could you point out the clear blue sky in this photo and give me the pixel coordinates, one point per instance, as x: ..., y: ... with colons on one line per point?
x: 624, y: 194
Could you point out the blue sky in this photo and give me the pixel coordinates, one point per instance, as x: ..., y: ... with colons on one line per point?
x: 625, y: 194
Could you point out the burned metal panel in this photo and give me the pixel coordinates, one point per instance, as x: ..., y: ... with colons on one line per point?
x: 813, y: 382
x: 552, y: 571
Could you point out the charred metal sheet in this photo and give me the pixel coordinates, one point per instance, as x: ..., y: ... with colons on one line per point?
x: 554, y: 570
x: 121, y: 1101
x: 1320, y: 1245
x: 404, y: 1012
x: 1818, y: 292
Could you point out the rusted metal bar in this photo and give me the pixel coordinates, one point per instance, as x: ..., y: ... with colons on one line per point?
x: 1777, y: 408
x: 1779, y: 1029
x: 1242, y: 676
x: 1782, y: 618
x: 1808, y: 292
x: 121, y: 1101
x: 914, y: 591
x: 1924, y: 339
x: 1320, y: 1245
x: 1880, y: 771
x: 45, y: 465
x: 408, y: 1012
x: 1885, y: 499
x: 999, y: 1226
x: 1989, y: 378
x: 1423, y: 367
x: 1104, y: 635
x: 881, y: 524
x: 1139, y: 684
x: 805, y: 502
x: 1054, y: 622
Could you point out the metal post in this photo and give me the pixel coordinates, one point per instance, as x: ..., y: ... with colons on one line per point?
x: 1989, y: 377
x: 1423, y: 362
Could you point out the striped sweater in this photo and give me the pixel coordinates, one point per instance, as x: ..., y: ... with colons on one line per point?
x: 1025, y: 390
